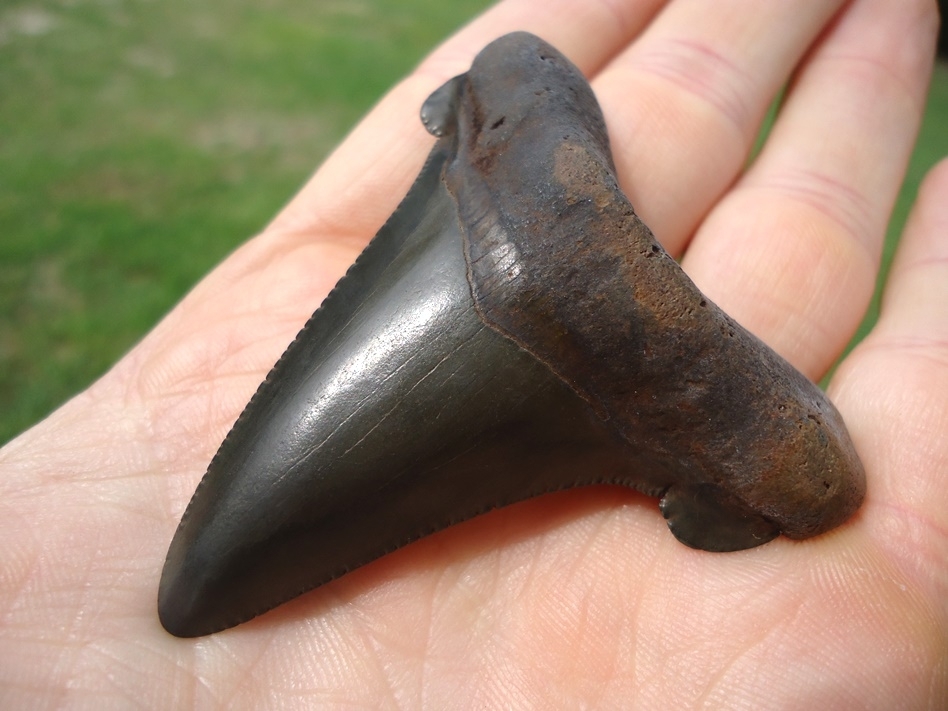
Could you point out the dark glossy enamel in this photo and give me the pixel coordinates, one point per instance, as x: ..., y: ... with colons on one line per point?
x: 512, y: 330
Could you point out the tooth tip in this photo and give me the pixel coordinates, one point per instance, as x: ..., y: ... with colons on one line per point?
x: 185, y: 609
x: 175, y: 613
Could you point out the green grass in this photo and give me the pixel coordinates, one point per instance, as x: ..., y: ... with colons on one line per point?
x: 142, y: 140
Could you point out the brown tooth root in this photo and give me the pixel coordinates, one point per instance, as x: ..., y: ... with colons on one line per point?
x: 513, y: 329
x: 560, y: 263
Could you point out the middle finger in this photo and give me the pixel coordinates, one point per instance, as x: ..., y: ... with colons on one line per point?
x: 684, y: 103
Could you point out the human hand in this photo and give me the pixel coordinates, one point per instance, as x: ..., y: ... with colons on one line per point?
x: 579, y: 598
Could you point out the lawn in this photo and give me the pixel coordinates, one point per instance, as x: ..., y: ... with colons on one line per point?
x: 142, y: 140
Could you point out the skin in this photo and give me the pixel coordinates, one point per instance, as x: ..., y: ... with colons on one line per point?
x: 547, y: 603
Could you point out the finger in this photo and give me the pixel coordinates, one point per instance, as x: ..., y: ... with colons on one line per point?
x: 793, y: 251
x: 915, y: 303
x: 362, y: 182
x: 893, y: 391
x: 685, y: 102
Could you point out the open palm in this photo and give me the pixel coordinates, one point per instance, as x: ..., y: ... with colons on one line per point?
x: 574, y: 599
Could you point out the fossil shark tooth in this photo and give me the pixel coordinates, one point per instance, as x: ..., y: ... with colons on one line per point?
x: 513, y: 329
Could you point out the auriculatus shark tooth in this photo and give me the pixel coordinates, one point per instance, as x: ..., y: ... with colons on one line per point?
x: 513, y: 329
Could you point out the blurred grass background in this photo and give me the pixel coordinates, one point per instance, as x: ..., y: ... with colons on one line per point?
x: 142, y: 140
